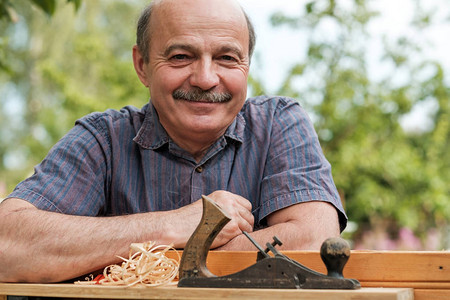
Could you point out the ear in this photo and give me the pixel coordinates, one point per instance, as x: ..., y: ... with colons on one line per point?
x: 139, y: 66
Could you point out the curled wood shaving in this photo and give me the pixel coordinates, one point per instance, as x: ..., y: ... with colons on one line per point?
x: 147, y: 265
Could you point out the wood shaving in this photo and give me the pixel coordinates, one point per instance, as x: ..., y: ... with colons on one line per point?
x: 147, y: 265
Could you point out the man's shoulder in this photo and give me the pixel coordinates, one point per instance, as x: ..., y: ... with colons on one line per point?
x: 112, y: 117
x: 266, y: 100
x: 268, y: 105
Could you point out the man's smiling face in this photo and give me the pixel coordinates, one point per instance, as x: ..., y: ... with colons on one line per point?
x: 199, y: 64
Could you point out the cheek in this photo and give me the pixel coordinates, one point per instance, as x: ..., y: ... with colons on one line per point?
x: 166, y: 80
x: 236, y: 82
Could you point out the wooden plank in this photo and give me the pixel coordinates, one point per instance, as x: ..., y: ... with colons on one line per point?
x: 426, y: 272
x: 409, y: 284
x: 420, y: 266
x: 2, y: 297
x: 427, y: 294
x: 399, y: 266
x: 79, y: 291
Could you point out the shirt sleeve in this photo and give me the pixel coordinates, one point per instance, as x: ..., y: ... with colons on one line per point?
x: 296, y: 169
x: 72, y: 177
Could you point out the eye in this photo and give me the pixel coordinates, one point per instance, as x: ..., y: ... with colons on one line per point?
x: 228, y: 58
x: 179, y: 57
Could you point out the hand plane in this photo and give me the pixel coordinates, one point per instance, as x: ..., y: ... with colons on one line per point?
x: 275, y: 271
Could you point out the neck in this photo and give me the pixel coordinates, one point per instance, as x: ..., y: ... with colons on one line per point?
x: 196, y: 145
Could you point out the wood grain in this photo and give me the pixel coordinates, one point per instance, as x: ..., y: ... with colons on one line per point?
x: 78, y: 291
x: 428, y: 294
x: 362, y: 265
x: 428, y: 273
x: 408, y: 284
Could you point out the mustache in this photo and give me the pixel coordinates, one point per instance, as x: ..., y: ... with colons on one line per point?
x: 199, y: 95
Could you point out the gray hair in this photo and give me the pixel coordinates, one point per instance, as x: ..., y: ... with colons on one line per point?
x: 143, y: 33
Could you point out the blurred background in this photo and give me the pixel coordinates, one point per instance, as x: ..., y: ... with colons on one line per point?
x: 373, y: 76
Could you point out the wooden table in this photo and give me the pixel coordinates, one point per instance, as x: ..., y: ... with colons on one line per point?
x: 383, y: 275
x: 109, y: 292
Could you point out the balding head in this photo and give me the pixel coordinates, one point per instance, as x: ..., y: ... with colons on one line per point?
x: 144, y: 31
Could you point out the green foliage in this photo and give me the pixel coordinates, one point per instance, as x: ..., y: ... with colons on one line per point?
x: 58, y: 63
x: 60, y: 69
x: 382, y: 172
x: 49, y: 6
x: 9, y: 14
x: 8, y: 7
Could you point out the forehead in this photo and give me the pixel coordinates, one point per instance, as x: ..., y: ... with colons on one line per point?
x: 191, y: 19
x: 215, y: 9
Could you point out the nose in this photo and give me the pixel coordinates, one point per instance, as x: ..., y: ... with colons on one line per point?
x: 204, y: 74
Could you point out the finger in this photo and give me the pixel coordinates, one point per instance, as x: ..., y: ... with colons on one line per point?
x: 243, y: 202
x: 247, y: 216
x: 226, y: 198
x: 245, y: 226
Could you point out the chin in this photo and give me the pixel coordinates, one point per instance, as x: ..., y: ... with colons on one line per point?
x: 205, y: 127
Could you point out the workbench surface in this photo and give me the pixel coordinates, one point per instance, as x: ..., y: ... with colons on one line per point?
x: 383, y: 275
x: 173, y: 292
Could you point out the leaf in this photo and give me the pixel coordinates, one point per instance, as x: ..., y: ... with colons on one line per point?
x: 7, y: 11
x: 309, y: 7
x: 48, y: 6
x: 76, y: 3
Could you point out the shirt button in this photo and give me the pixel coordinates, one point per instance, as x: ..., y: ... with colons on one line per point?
x: 199, y: 169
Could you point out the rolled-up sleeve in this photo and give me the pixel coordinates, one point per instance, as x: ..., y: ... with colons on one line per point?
x: 296, y: 169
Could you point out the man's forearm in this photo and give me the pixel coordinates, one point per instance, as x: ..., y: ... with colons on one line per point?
x: 299, y: 227
x: 43, y: 246
x: 40, y: 246
x: 287, y: 233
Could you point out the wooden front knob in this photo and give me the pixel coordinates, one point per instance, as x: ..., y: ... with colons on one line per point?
x: 335, y: 253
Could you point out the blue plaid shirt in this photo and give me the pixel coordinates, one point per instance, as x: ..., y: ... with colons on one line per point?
x: 123, y: 162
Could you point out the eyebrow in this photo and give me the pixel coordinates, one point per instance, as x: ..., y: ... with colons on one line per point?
x: 231, y: 49
x: 178, y: 46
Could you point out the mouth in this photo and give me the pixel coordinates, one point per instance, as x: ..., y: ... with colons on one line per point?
x: 201, y: 96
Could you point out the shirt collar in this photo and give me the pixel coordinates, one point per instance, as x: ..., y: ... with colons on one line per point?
x: 152, y: 134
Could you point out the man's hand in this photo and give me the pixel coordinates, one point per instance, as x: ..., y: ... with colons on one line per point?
x: 65, y: 246
x: 237, y: 208
x: 302, y: 226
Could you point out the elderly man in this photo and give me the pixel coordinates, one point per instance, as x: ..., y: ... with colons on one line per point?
x: 137, y: 175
